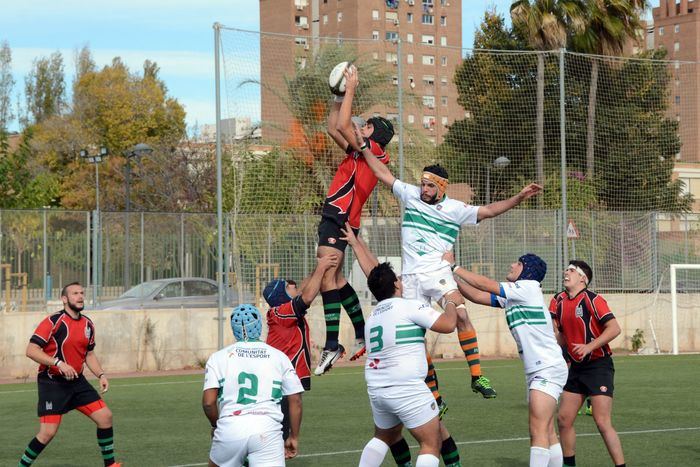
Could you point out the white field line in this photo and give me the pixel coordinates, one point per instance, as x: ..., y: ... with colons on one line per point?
x: 483, y: 441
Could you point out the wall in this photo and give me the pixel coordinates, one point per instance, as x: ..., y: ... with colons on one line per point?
x: 173, y: 339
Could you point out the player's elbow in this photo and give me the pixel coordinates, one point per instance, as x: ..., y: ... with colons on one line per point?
x: 615, y: 329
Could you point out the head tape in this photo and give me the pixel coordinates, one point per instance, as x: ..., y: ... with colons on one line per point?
x: 534, y: 268
x: 246, y: 323
x: 383, y: 130
x: 275, y: 293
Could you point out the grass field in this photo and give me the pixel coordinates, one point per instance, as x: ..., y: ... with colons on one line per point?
x: 159, y: 421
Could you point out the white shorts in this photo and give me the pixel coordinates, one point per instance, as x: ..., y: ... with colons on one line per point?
x: 550, y: 380
x: 233, y: 443
x: 425, y: 286
x: 411, y: 405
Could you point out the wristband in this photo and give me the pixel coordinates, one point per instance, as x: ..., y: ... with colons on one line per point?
x: 100, y: 375
x: 337, y: 98
x: 453, y: 267
x: 450, y: 301
x: 57, y: 361
x: 364, y: 146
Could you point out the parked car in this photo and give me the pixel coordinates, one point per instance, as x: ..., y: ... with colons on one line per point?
x: 176, y: 292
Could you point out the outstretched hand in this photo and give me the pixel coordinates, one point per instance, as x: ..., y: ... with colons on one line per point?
x: 533, y: 189
x: 358, y: 134
x: 352, y: 78
x: 348, y: 235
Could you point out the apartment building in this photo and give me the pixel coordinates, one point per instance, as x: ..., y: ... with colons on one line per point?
x: 430, y: 32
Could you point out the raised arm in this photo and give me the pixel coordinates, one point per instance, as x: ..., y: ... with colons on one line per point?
x: 381, y: 171
x: 344, y: 124
x: 362, y: 252
x: 313, y: 285
x: 499, y: 207
x: 478, y: 282
x: 333, y: 125
x: 447, y: 322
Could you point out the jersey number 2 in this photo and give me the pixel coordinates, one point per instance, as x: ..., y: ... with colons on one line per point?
x: 247, y: 389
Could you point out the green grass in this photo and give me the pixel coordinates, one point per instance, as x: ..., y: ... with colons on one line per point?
x: 159, y: 422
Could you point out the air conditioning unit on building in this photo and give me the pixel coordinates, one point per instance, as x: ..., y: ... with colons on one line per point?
x: 396, y: 22
x: 411, y: 2
x: 395, y: 61
x: 300, y: 7
x: 305, y: 26
x: 306, y: 46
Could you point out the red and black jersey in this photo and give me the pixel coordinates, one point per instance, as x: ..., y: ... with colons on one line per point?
x: 288, y: 331
x: 351, y: 186
x: 581, y: 319
x: 66, y: 338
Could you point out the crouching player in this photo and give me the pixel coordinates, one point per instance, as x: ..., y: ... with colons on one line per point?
x: 244, y: 385
x: 530, y: 324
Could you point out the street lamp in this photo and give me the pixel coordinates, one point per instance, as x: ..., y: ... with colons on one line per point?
x: 96, y: 249
x: 137, y: 151
x: 498, y: 163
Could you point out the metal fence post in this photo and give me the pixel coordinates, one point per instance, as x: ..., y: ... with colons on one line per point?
x: 141, y: 256
x: 562, y: 143
x: 400, y: 99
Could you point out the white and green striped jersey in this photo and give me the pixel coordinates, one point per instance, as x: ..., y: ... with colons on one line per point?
x: 251, y: 377
x: 395, y: 337
x: 530, y: 324
x: 429, y: 230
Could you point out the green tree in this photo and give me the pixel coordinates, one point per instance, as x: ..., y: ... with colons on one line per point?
x: 609, y: 25
x: 6, y: 85
x: 44, y: 88
x: 545, y: 25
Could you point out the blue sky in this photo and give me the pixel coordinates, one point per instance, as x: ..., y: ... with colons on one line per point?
x: 177, y: 34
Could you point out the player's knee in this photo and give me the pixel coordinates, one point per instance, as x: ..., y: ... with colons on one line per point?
x: 565, y: 420
x: 103, y: 417
x: 47, y: 432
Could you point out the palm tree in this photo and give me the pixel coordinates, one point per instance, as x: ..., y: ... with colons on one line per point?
x: 545, y: 24
x: 609, y: 24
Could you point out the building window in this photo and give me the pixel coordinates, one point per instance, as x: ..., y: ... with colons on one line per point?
x: 411, y: 82
x: 443, y: 100
x: 443, y: 81
x: 392, y: 35
x: 428, y: 122
x: 676, y: 46
x: 409, y: 37
x: 391, y: 57
x: 325, y: 19
x: 391, y: 16
x: 661, y: 30
x: 375, y: 55
x: 428, y: 80
x: 301, y: 21
x: 411, y: 118
x: 375, y: 35
x: 443, y: 21
x: 392, y: 117
x: 301, y: 4
x: 340, y: 16
x: 443, y: 41
x: 409, y: 17
x: 428, y: 39
x: 375, y: 14
x: 428, y: 60
x: 409, y: 58
x: 676, y: 28
x: 429, y: 101
x: 443, y: 61
x: 301, y: 62
x: 444, y: 121
x: 427, y: 19
x: 395, y: 80
x: 678, y: 100
x: 444, y: 3
x: 300, y: 40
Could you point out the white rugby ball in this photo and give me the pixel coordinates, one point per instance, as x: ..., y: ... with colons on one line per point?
x: 336, y: 80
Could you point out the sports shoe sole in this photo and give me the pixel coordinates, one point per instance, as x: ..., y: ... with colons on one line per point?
x: 359, y: 353
x: 337, y: 357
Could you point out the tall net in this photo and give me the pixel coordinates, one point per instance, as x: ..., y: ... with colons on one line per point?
x: 494, y: 120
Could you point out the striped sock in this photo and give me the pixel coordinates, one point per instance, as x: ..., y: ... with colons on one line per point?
x: 450, y: 453
x: 431, y: 380
x: 401, y: 453
x: 105, y: 438
x: 331, y: 311
x: 348, y: 297
x: 470, y: 347
x: 32, y: 451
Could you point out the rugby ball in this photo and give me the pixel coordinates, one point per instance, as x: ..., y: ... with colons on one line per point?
x: 336, y: 80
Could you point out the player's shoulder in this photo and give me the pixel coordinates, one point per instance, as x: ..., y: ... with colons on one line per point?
x: 54, y: 318
x: 594, y: 297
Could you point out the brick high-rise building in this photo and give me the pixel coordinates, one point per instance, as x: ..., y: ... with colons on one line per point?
x: 431, y: 39
x: 677, y: 29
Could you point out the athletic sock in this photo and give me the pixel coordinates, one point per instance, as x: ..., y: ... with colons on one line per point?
x: 351, y: 303
x: 373, y: 453
x: 539, y: 457
x: 331, y: 311
x: 31, y: 452
x: 450, y: 453
x: 105, y: 438
x: 570, y: 461
x: 431, y: 379
x: 470, y: 347
x: 401, y: 453
x: 427, y: 460
x: 556, y: 456
x: 621, y: 465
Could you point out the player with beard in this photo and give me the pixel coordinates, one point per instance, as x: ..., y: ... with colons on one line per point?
x: 430, y: 226
x: 63, y: 344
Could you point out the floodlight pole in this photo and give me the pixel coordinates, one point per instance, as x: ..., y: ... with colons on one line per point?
x: 219, y: 207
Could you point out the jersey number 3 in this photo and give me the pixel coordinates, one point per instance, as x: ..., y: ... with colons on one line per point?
x: 375, y: 339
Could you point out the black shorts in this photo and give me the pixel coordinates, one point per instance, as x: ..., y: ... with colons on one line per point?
x: 595, y: 378
x: 329, y: 234
x: 58, y: 396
